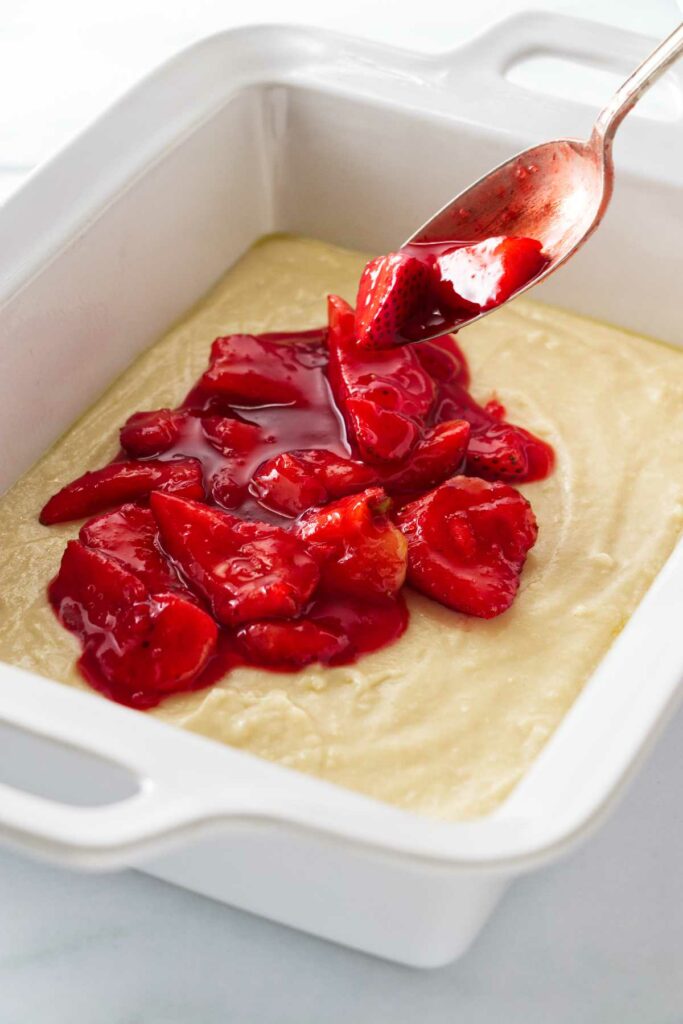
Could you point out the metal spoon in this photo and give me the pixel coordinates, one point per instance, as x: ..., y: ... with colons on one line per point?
x: 556, y: 192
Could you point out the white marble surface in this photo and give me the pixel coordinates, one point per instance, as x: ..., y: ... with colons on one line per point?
x: 595, y: 939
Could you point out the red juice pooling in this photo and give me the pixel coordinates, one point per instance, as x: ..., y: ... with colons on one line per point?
x: 273, y: 517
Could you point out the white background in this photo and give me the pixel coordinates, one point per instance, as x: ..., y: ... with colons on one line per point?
x: 595, y: 939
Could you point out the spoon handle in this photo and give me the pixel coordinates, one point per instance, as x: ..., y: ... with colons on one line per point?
x: 628, y: 94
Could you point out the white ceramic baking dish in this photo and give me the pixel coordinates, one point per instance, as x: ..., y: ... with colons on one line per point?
x: 270, y: 129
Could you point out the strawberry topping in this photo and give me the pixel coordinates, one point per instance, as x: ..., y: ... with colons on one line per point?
x: 496, y: 450
x: 227, y: 489
x: 393, y: 290
x: 138, y: 646
x: 232, y: 437
x: 130, y: 536
x: 467, y: 542
x: 444, y: 360
x: 360, y: 550
x: 295, y: 481
x: 150, y: 433
x: 254, y: 524
x: 439, y: 454
x: 479, y: 277
x: 250, y: 371
x: 291, y: 643
x: 242, y: 570
x: 120, y: 482
x: 385, y: 397
x: 335, y: 631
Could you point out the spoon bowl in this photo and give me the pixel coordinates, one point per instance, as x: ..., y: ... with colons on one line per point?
x: 556, y: 192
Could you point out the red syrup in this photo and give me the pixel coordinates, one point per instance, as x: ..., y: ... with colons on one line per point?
x: 312, y: 422
x: 140, y: 598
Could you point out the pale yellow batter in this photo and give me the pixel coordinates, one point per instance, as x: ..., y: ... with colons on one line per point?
x: 446, y: 720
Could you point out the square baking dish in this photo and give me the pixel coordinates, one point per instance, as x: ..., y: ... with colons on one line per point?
x: 278, y: 129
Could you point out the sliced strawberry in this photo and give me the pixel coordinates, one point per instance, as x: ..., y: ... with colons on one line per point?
x: 336, y: 630
x: 227, y: 489
x: 288, y: 484
x: 496, y: 450
x: 439, y: 454
x: 172, y: 645
x: 233, y: 437
x: 481, y: 276
x: 129, y: 535
x: 248, y: 370
x: 92, y: 591
x: 137, y: 647
x: 341, y: 321
x: 467, y: 542
x: 244, y: 570
x: 384, y: 397
x: 151, y: 433
x: 120, y: 482
x: 290, y: 643
x: 295, y: 481
x: 393, y: 291
x: 340, y: 476
x: 444, y: 360
x: 360, y: 549
x: 381, y: 435
x: 506, y: 452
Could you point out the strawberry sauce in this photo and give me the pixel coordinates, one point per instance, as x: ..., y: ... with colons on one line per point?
x: 273, y: 517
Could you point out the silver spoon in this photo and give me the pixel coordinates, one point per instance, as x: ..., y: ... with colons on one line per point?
x: 556, y: 192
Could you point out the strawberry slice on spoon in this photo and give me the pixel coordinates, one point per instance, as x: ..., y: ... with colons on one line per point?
x: 477, y: 278
x: 393, y: 290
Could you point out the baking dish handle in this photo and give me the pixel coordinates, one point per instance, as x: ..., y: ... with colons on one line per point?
x: 483, y: 64
x: 178, y: 781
